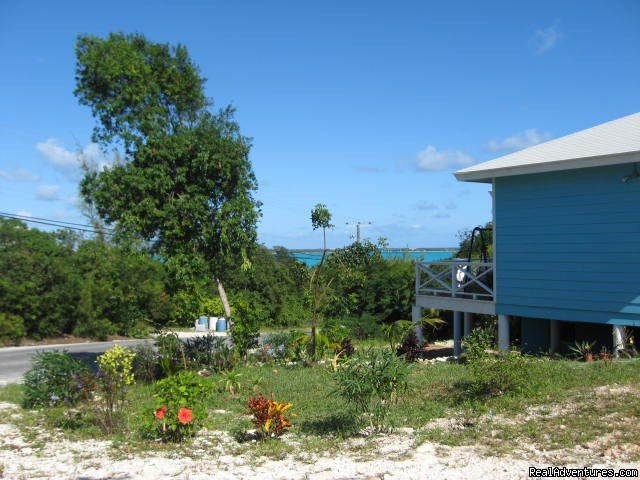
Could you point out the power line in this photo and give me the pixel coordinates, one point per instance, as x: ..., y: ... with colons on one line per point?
x: 54, y: 223
x: 28, y: 217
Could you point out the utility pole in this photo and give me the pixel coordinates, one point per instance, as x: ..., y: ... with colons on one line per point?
x: 358, y: 225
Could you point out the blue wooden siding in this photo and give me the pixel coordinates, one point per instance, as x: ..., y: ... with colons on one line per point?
x: 568, y: 246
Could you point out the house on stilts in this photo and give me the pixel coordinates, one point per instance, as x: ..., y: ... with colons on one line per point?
x: 566, y: 244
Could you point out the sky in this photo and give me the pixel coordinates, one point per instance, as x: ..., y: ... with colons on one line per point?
x: 365, y: 106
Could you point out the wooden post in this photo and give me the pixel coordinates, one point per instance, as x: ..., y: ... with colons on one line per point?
x: 416, y: 318
x: 457, y: 333
x: 468, y: 323
x: 225, y: 303
x: 503, y: 333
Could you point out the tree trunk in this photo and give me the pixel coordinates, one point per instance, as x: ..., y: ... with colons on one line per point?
x: 225, y: 301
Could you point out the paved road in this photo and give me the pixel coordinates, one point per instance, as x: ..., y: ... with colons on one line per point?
x: 14, y: 361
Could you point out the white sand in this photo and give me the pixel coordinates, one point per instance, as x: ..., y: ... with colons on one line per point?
x: 388, y: 457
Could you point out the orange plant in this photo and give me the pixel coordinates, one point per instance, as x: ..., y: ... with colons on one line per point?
x: 268, y: 416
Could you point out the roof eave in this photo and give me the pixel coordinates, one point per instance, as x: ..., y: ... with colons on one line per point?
x: 486, y: 175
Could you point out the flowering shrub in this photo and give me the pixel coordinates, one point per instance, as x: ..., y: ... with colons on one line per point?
x: 53, y: 380
x: 178, y: 410
x: 268, y: 416
x: 174, y: 424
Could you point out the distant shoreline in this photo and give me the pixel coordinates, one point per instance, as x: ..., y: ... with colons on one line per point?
x: 312, y: 257
x: 390, y: 249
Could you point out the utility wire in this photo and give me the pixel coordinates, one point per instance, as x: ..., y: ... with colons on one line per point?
x: 55, y: 224
x: 26, y: 217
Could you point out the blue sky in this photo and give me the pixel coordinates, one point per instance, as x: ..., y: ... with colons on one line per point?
x: 365, y: 106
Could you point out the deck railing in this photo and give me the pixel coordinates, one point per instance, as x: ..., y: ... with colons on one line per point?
x: 456, y: 279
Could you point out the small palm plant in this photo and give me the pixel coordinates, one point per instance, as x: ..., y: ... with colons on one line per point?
x: 584, y: 349
x: 230, y: 381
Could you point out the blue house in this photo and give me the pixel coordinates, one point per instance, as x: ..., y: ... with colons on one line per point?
x: 566, y: 244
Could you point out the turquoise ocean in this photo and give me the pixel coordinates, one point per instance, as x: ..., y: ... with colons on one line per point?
x: 312, y: 257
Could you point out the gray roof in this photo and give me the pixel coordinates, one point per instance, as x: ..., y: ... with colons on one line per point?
x: 610, y: 143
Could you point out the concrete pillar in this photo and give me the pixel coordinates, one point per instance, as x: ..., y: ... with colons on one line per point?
x: 457, y: 333
x: 503, y: 333
x: 554, y: 336
x: 468, y: 323
x: 618, y: 335
x: 416, y: 318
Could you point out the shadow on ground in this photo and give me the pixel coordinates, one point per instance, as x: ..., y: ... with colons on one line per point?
x: 342, y: 424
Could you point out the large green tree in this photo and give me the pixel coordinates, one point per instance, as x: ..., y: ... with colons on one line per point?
x: 185, y: 185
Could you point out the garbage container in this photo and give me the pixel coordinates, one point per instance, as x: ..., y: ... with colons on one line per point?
x: 202, y: 323
x: 221, y: 324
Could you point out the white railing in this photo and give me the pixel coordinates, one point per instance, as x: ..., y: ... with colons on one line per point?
x: 456, y: 279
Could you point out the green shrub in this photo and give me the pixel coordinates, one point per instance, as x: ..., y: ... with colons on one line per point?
x: 478, y: 344
x: 245, y: 329
x: 336, y: 331
x: 498, y: 374
x: 364, y: 327
x: 171, y: 356
x: 145, y: 363
x: 179, y: 408
x: 11, y: 328
x: 278, y: 345
x: 114, y: 377
x: 371, y: 382
x: 491, y: 373
x: 53, y: 380
x: 209, y: 352
x: 184, y: 388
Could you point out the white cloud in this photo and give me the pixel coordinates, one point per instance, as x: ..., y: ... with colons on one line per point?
x: 48, y: 192
x: 24, y: 213
x: 20, y: 175
x: 57, y: 155
x: 433, y: 160
x: 545, y: 39
x: 442, y: 215
x: 525, y: 139
x: 450, y: 205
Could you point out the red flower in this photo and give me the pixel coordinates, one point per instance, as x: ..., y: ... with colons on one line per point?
x: 160, y: 412
x: 185, y: 415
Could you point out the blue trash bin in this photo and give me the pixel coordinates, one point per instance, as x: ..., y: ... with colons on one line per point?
x: 221, y: 325
x: 202, y: 323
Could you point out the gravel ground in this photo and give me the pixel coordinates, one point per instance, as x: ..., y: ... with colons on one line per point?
x: 392, y: 457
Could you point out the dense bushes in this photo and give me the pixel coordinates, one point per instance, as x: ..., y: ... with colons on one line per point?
x: 54, y: 283
x: 492, y: 373
x: 53, y: 379
x: 57, y: 283
x: 370, y: 382
x: 367, y: 290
